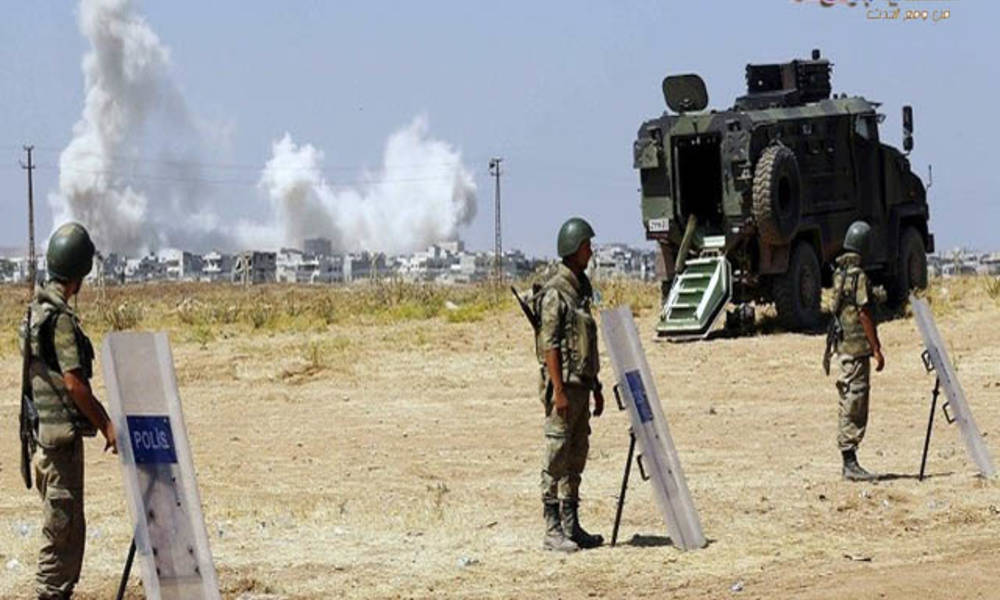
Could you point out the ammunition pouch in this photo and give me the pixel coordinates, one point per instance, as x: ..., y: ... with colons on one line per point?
x: 583, y: 358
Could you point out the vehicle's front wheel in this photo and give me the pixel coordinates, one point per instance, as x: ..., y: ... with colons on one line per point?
x: 911, y: 267
x: 797, y: 292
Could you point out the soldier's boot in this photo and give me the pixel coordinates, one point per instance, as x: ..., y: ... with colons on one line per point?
x: 571, y: 525
x: 854, y: 471
x: 555, y: 537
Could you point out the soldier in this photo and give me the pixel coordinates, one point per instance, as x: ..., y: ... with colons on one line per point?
x: 854, y: 344
x: 566, y: 346
x: 60, y: 362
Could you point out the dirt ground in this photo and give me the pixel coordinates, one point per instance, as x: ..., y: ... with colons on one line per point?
x: 403, y: 462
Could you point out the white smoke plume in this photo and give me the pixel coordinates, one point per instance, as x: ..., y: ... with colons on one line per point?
x: 421, y: 194
x: 132, y: 110
x: 132, y: 172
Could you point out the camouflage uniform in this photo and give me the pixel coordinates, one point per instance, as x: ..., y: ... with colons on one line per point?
x: 567, y: 325
x: 853, y: 351
x: 58, y: 345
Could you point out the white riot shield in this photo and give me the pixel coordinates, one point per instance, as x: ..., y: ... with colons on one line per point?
x: 637, y: 389
x: 945, y: 372
x: 169, y: 527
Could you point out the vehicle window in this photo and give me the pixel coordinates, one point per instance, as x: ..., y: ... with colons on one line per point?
x: 862, y: 127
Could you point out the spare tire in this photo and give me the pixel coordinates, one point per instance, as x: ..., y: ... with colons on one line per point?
x: 777, y: 187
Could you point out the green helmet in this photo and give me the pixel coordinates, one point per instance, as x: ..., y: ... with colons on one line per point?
x: 572, y: 234
x: 856, y: 239
x: 71, y: 253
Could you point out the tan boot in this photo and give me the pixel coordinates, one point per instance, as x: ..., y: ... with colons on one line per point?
x: 555, y: 538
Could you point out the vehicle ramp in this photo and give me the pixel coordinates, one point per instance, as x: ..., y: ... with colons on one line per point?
x: 698, y: 295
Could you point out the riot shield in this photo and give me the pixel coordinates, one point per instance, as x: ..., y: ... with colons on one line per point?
x: 959, y: 411
x: 169, y: 527
x: 636, y: 388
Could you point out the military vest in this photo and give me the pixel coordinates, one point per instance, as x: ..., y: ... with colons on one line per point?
x: 851, y: 284
x: 578, y: 330
x: 59, y: 420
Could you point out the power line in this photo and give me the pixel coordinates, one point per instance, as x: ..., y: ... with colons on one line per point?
x: 234, y: 181
x: 332, y: 171
x: 237, y: 166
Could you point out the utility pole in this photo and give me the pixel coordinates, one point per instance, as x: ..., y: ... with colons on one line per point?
x: 498, y: 244
x: 32, y: 277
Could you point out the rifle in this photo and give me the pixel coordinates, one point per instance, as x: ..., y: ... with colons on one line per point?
x: 536, y: 323
x: 834, y: 333
x: 29, y: 414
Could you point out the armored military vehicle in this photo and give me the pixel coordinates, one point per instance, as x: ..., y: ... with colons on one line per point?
x: 750, y: 204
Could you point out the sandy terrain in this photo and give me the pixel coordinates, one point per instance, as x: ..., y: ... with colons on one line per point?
x: 403, y: 462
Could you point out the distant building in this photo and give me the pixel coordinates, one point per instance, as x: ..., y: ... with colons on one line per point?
x: 147, y: 268
x: 296, y: 266
x: 8, y: 271
x: 445, y: 262
x: 452, y: 247
x: 468, y: 269
x: 963, y: 261
x: 330, y: 269
x: 357, y: 267
x: 612, y: 261
x: 517, y: 265
x: 181, y: 265
x: 989, y: 264
x: 109, y: 269
x: 217, y: 267
x: 19, y: 266
x: 255, y: 267
x: 318, y: 247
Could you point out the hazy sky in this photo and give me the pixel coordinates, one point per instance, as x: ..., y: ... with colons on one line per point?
x: 558, y: 89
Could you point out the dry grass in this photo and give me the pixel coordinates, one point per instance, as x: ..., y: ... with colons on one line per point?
x: 639, y: 296
x: 948, y: 296
x: 992, y: 286
x: 202, y: 313
x: 393, y: 452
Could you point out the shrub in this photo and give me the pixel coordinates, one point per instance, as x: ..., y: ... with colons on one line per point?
x: 122, y: 316
x: 325, y: 309
x: 992, y: 285
x: 191, y: 311
x: 260, y: 314
x: 202, y: 335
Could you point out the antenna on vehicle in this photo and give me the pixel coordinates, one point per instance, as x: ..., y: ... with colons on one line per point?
x: 930, y: 177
